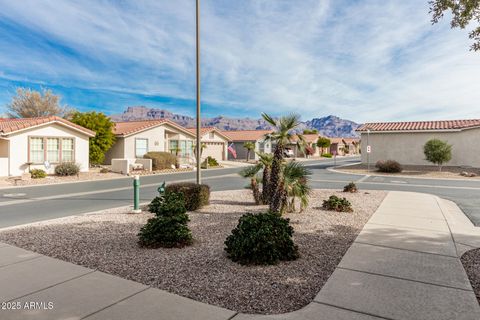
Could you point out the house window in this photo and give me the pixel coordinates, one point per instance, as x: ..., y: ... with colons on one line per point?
x: 261, y: 147
x: 53, y: 148
x: 141, y: 147
x: 37, y: 151
x: 173, y: 146
x: 67, y: 150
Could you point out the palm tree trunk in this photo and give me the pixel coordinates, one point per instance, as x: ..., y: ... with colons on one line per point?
x: 275, y: 178
x: 256, y: 192
x: 266, y: 195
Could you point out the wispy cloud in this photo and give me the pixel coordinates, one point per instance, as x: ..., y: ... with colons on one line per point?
x: 363, y: 60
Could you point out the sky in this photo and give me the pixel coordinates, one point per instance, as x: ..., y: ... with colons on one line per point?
x: 358, y: 59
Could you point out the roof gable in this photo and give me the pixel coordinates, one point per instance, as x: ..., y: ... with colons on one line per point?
x: 13, y: 125
x: 127, y: 128
x: 247, y: 135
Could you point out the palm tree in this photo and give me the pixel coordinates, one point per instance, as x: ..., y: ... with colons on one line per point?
x: 281, y: 136
x: 295, y: 185
x: 252, y: 173
x: 266, y: 160
x: 250, y: 146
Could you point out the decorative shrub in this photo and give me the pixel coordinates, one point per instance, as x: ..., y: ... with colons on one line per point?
x: 335, y: 203
x: 264, y: 238
x: 38, y: 173
x: 327, y: 155
x: 388, y: 166
x: 169, y: 226
x: 196, y: 196
x: 212, y: 162
x: 104, y: 170
x: 351, y: 187
x: 67, y: 169
x: 162, y: 160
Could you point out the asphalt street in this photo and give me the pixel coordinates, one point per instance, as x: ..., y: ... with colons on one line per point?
x: 22, y: 205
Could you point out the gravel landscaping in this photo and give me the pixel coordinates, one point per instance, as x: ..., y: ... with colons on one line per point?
x: 416, y: 171
x: 471, y: 263
x: 107, y: 241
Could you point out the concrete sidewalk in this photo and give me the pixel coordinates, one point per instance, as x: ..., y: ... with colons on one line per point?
x: 403, y: 265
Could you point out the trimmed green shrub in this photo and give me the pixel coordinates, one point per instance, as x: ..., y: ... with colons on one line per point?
x: 161, y: 160
x: 335, y: 203
x: 388, y: 166
x: 67, y: 169
x: 196, y: 196
x: 38, y: 173
x: 169, y: 226
x: 327, y: 155
x: 212, y: 162
x: 351, y: 187
x: 437, y: 152
x: 264, y: 238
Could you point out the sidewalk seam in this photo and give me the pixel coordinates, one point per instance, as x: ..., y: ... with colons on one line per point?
x: 352, y: 310
x: 116, y: 302
x: 422, y: 229
x: 410, y: 250
x: 51, y: 286
x: 18, y: 262
x: 448, y: 225
x: 405, y: 279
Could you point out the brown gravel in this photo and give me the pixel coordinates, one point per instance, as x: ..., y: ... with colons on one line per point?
x: 416, y: 171
x: 107, y: 241
x: 471, y: 263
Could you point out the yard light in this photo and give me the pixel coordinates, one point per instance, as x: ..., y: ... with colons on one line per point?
x: 198, y: 146
x: 136, y: 194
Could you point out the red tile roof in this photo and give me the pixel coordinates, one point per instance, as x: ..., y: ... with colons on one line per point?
x: 12, y: 125
x: 247, y: 135
x: 205, y: 130
x: 342, y: 140
x: 310, y: 138
x: 126, y: 128
x: 420, y: 125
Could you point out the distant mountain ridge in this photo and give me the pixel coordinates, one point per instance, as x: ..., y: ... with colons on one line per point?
x: 330, y: 126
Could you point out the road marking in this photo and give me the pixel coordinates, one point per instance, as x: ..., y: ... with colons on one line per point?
x: 398, y: 181
x: 363, y: 178
x: 85, y: 193
x: 14, y: 195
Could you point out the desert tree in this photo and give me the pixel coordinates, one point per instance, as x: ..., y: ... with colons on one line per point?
x: 323, y: 143
x: 438, y: 152
x: 250, y: 146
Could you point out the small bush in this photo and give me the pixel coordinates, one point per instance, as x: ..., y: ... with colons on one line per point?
x: 264, y: 238
x: 196, y: 196
x: 351, y: 187
x: 327, y: 155
x: 169, y: 226
x: 388, y: 166
x: 162, y: 160
x: 67, y: 169
x: 212, y: 162
x: 335, y: 203
x: 104, y: 170
x: 38, y: 173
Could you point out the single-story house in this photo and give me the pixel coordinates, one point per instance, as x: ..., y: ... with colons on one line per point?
x: 216, y: 142
x: 344, y: 146
x: 404, y: 141
x: 239, y: 137
x: 135, y: 138
x: 41, y: 143
x: 310, y: 140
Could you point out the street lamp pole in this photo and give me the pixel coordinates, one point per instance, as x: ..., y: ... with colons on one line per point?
x: 198, y: 146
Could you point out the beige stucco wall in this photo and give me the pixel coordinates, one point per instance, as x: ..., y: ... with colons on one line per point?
x: 407, y: 148
x: 3, y: 157
x: 216, y: 146
x: 19, y: 147
x: 116, y: 151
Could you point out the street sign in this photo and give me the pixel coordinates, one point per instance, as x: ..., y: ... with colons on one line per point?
x: 369, y: 149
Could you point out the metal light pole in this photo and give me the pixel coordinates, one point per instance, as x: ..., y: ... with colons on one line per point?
x: 198, y: 147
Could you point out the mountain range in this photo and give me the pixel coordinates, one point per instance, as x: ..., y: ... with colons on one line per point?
x: 329, y: 126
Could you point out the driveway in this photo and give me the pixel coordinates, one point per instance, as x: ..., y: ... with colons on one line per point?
x: 35, y: 203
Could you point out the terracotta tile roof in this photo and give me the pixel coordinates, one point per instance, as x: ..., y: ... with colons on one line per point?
x: 420, y: 125
x: 342, y: 140
x: 11, y: 125
x: 310, y: 138
x: 205, y: 130
x: 247, y: 135
x: 126, y: 128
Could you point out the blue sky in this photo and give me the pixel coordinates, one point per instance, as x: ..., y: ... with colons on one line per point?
x: 361, y: 60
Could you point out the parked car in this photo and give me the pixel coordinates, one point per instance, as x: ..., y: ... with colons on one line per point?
x: 288, y: 153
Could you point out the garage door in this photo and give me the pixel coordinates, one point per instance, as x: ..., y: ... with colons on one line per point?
x: 214, y: 150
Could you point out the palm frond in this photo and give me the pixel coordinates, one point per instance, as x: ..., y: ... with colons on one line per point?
x: 251, y: 171
x: 269, y: 119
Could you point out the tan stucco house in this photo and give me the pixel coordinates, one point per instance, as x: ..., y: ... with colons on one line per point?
x: 239, y: 137
x: 41, y: 143
x: 404, y: 141
x: 216, y: 142
x: 310, y: 140
x: 136, y: 138
x: 344, y: 146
